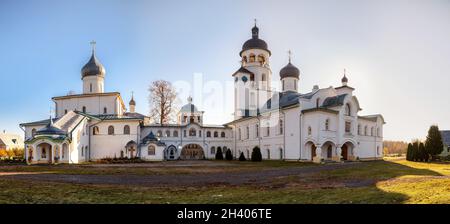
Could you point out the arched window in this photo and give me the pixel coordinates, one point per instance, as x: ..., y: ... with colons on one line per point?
x: 33, y: 132
x: 327, y: 124
x: 309, y: 130
x: 244, y: 59
x: 317, y: 102
x: 105, y: 110
x: 280, y: 122
x: 213, y: 150
x: 268, y: 129
x: 167, y: 133
x: 261, y: 59
x: 247, y: 132
x: 348, y: 110
x: 222, y: 134
x: 208, y: 134
x: 365, y: 130
x: 257, y: 130
x: 192, y: 132
x: 175, y: 133
x: 159, y: 133
x: 95, y: 131
x: 126, y: 130
x: 216, y: 134
x: 151, y: 150
x: 252, y: 58
x: 84, y: 109
x: 110, y: 130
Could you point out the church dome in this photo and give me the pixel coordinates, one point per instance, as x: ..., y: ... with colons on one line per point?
x: 93, y: 67
x: 255, y: 42
x: 132, y: 102
x: 189, y: 108
x: 344, y: 79
x: 289, y: 71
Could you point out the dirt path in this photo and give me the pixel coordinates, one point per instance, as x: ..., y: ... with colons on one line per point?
x: 179, y: 180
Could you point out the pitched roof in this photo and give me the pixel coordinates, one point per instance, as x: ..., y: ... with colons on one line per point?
x: 242, y: 70
x: 11, y: 140
x: 446, y: 137
x: 334, y: 101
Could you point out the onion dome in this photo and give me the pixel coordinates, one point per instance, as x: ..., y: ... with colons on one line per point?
x: 289, y: 71
x: 132, y: 102
x: 50, y: 129
x: 93, y: 67
x: 189, y: 108
x: 255, y: 42
x: 344, y: 79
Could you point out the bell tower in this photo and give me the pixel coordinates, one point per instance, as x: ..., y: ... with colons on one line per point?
x: 253, y: 80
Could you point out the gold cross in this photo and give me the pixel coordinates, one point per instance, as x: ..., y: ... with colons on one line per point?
x: 93, y: 43
x: 290, y: 55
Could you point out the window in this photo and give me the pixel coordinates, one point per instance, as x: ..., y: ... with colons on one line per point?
x: 126, y: 130
x: 378, y: 150
x: 208, y: 134
x: 261, y: 59
x: 280, y: 123
x: 240, y: 134
x: 213, y: 150
x: 309, y: 130
x: 244, y: 59
x: 192, y: 132
x: 175, y: 133
x: 365, y: 130
x: 82, y: 151
x: 247, y: 132
x: 43, y: 153
x: 348, y: 126
x: 90, y: 87
x: 283, y: 85
x: 295, y: 84
x: 65, y: 111
x: 216, y: 134
x: 167, y: 133
x: 268, y: 130
x: 327, y: 124
x: 151, y: 150
x: 159, y: 134
x: 199, y: 133
x: 105, y: 110
x: 184, y: 133
x: 257, y: 130
x: 317, y: 102
x: 95, y: 131
x: 348, y: 110
x: 110, y: 130
x: 359, y: 129
x: 281, y: 153
x: 33, y: 132
x: 84, y: 109
x: 252, y: 58
x: 222, y: 134
x: 378, y: 132
x: 371, y: 131
x: 268, y: 153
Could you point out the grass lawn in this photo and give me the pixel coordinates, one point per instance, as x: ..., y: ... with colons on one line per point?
x: 395, y: 181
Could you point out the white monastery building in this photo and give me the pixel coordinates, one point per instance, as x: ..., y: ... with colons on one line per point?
x: 317, y: 125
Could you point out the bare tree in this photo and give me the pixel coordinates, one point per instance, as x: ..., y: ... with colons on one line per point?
x: 162, y: 97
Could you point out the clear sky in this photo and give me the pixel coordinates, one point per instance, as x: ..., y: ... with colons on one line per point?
x: 397, y: 53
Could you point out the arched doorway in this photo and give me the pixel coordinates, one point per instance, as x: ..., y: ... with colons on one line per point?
x: 45, y: 152
x: 327, y: 150
x: 192, y: 152
x: 310, y: 150
x: 347, y: 150
x: 131, y: 147
x: 170, y: 153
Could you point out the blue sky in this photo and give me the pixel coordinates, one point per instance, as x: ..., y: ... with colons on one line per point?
x: 397, y: 53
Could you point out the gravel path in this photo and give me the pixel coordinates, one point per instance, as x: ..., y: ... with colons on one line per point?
x: 186, y: 180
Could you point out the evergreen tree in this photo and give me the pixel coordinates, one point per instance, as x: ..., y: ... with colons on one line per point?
x: 415, y: 151
x: 228, y: 155
x: 423, y: 153
x: 219, y: 154
x: 242, y: 157
x: 409, y: 152
x: 256, y: 154
x: 433, y: 143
